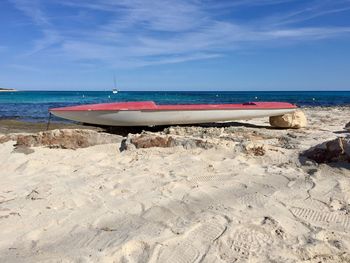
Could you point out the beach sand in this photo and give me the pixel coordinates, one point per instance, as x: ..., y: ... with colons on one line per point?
x: 223, y: 203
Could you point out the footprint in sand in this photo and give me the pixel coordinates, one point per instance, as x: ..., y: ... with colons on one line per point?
x: 211, y: 177
x: 244, y: 242
x: 253, y: 200
x: 323, y: 219
x: 309, y: 203
x: 192, y: 246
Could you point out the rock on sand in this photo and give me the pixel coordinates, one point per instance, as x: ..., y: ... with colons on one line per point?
x: 294, y: 120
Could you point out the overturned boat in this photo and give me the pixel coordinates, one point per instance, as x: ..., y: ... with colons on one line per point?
x: 148, y: 113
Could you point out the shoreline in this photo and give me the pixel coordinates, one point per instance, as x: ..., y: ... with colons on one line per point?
x: 8, y: 90
x: 18, y: 126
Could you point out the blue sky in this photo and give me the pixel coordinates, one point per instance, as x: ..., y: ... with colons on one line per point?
x: 175, y: 45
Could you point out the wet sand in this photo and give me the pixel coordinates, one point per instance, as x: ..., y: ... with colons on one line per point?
x: 17, y: 126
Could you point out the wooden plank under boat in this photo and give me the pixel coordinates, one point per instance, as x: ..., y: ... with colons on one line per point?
x: 148, y: 113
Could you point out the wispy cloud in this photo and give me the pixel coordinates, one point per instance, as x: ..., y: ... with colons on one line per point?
x: 130, y: 33
x: 33, y: 10
x: 312, y: 10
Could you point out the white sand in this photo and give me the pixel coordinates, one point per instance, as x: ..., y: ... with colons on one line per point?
x: 176, y: 205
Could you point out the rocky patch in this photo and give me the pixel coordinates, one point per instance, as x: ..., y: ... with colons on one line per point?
x: 149, y: 140
x: 331, y: 151
x: 62, y: 138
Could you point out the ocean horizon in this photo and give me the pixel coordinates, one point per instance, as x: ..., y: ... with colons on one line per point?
x: 34, y: 105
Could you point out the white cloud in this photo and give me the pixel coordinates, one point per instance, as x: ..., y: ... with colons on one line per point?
x: 305, y: 33
x: 129, y: 33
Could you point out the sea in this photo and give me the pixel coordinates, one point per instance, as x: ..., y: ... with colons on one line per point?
x: 33, y: 105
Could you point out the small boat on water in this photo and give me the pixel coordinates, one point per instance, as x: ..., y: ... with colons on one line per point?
x: 115, y: 90
x: 148, y: 113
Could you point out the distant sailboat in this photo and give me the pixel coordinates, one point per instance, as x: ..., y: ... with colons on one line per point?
x: 115, y: 90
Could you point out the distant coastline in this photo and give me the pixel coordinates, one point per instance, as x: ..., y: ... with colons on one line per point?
x: 7, y: 90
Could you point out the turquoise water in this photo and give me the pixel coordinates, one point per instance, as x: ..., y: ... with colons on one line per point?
x: 34, y: 105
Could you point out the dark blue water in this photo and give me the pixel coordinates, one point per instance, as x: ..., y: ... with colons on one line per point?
x: 34, y: 105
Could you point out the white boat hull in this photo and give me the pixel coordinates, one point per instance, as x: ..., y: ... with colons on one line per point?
x: 166, y: 117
